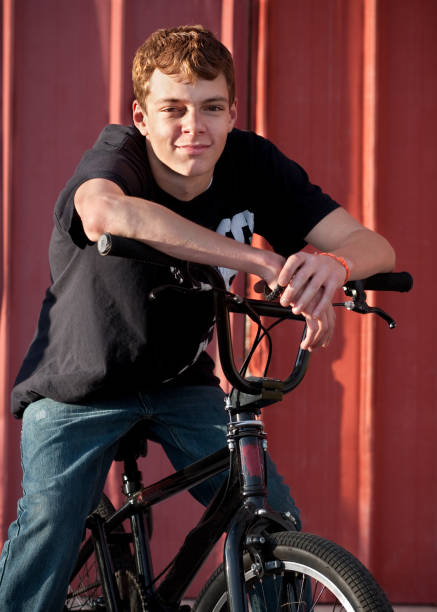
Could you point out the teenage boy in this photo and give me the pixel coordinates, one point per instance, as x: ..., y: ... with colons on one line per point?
x: 184, y: 181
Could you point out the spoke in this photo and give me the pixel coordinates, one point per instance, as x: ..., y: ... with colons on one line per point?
x: 295, y: 600
x: 278, y: 588
x: 264, y: 595
x: 295, y: 597
x: 290, y: 594
x: 83, y: 589
x: 318, y: 598
x: 302, y: 589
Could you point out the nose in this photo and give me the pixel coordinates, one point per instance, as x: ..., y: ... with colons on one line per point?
x: 192, y: 122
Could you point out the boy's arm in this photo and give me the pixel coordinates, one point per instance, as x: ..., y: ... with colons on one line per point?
x: 103, y: 207
x: 363, y: 252
x: 310, y: 280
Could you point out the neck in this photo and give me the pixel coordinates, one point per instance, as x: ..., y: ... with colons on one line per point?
x: 184, y: 188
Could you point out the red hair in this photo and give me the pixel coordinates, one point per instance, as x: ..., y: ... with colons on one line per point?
x: 191, y: 51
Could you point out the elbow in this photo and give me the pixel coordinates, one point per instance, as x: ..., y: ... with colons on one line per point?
x: 92, y: 228
x: 384, y: 255
x: 393, y: 259
x: 94, y: 212
x: 390, y: 258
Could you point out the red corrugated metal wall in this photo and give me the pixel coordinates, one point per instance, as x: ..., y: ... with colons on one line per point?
x: 346, y: 87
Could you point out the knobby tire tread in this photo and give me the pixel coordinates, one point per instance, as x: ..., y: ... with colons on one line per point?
x: 336, y: 563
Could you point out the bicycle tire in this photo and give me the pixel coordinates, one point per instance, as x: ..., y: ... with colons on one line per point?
x: 85, y: 589
x: 337, y: 578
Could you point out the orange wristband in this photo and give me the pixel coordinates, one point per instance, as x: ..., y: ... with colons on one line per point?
x: 342, y: 262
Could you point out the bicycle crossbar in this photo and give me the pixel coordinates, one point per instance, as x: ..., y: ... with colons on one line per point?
x: 188, y: 477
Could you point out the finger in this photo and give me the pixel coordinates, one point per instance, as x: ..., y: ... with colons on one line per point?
x: 325, y: 299
x: 306, y: 299
x: 291, y: 266
x: 297, y: 277
x: 304, y: 285
x: 290, y: 296
x: 316, y: 296
x: 312, y: 330
x: 321, y: 331
x: 331, y: 326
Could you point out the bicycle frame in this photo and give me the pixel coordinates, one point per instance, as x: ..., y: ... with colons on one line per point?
x: 239, y: 508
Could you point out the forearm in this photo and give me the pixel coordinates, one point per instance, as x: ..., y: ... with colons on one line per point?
x: 310, y: 280
x: 167, y: 231
x: 181, y: 238
x: 366, y: 253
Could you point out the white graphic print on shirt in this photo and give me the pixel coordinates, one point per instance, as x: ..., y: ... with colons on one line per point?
x: 240, y: 228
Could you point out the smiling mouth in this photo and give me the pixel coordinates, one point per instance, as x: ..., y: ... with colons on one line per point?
x: 193, y: 148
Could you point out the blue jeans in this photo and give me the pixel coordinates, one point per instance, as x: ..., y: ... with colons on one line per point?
x: 67, y: 451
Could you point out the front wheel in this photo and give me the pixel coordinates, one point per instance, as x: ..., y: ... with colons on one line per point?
x: 299, y: 573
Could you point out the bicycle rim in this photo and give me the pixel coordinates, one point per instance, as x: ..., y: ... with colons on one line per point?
x: 88, y: 596
x: 289, y: 593
x: 302, y: 573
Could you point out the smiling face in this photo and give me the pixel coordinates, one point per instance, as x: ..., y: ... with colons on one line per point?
x: 186, y: 125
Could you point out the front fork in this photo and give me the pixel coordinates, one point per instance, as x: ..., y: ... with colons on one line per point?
x: 248, y: 446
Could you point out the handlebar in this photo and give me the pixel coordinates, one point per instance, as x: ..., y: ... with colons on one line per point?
x: 225, y: 302
x: 108, y: 244
x: 386, y: 281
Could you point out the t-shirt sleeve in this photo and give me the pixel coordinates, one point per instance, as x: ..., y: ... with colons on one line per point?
x: 288, y: 205
x: 109, y: 159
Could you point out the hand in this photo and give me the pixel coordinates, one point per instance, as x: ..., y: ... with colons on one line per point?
x: 310, y: 282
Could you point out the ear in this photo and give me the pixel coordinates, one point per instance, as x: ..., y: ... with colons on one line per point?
x: 232, y: 115
x: 139, y: 118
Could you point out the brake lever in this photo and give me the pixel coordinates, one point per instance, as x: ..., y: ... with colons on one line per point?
x: 359, y: 304
x: 180, y: 277
x: 197, y: 289
x: 366, y: 309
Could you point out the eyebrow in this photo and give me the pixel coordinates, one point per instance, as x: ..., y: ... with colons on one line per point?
x: 207, y: 101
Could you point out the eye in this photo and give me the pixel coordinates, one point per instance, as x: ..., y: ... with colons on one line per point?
x: 215, y: 108
x: 173, y: 110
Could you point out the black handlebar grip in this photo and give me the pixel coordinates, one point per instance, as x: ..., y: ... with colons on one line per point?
x: 108, y: 244
x: 387, y: 281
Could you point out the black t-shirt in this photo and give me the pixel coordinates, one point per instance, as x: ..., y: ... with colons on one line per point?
x: 98, y: 334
